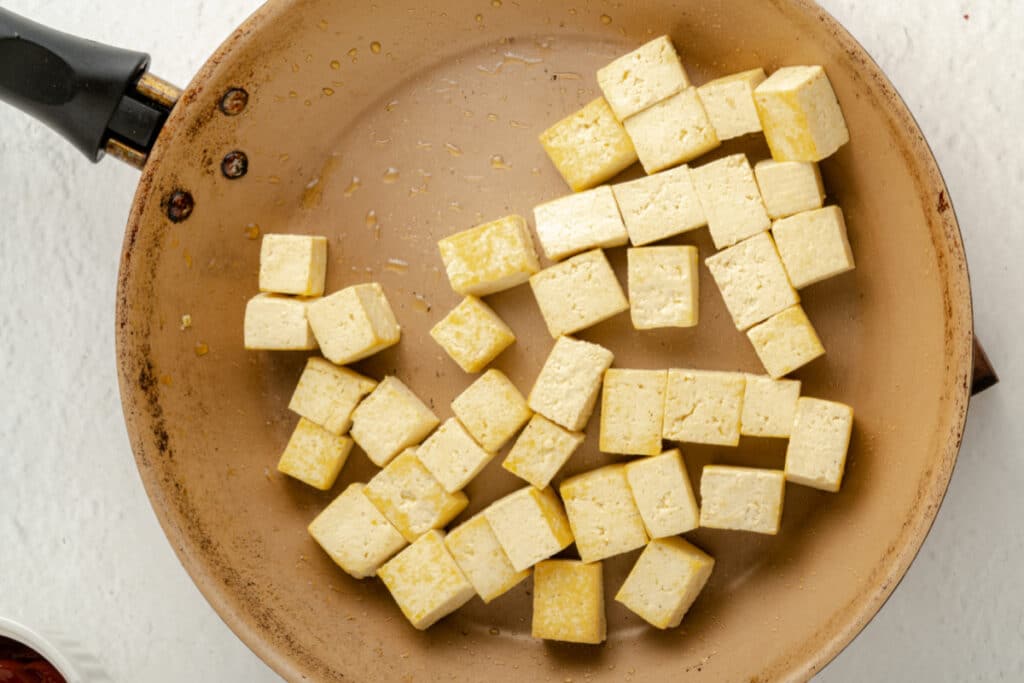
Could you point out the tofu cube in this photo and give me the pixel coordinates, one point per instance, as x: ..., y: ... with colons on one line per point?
x: 647, y: 75
x: 665, y: 581
x: 578, y: 222
x: 452, y: 456
x: 663, y: 287
x: 632, y: 408
x: 741, y: 498
x: 476, y: 550
x: 704, y: 406
x: 663, y: 494
x: 327, y: 394
x: 354, y: 323
x: 603, y: 517
x: 492, y: 410
x: 800, y: 114
x: 355, y: 534
x: 752, y: 280
x: 785, y: 342
x: 813, y: 245
x: 568, y: 602
x: 732, y: 203
x: 578, y: 293
x: 659, y: 206
x: 389, y: 420
x: 816, y: 455
x: 472, y: 334
x: 425, y: 581
x: 277, y: 323
x: 530, y: 524
x: 769, y: 406
x: 293, y: 264
x: 789, y: 187
x: 314, y: 455
x: 729, y: 102
x: 411, y: 498
x: 489, y: 258
x: 566, y: 388
x: 672, y: 132
x: 589, y: 146
x: 541, y: 450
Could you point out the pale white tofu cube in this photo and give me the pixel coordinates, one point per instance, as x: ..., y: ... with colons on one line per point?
x: 472, y: 334
x: 732, y: 203
x: 659, y: 206
x: 425, y: 581
x: 640, y: 78
x: 314, y: 455
x: 672, y: 132
x: 665, y: 581
x: 490, y: 257
x: 354, y: 533
x: 663, y: 494
x: 578, y: 293
x: 729, y: 102
x: 789, y: 187
x: 704, y: 406
x: 476, y: 550
x: 389, y: 420
x: 579, y: 222
x: 411, y: 498
x: 752, y: 280
x: 603, y: 517
x: 541, y: 450
x: 277, y: 323
x: 589, y: 146
x: 632, y: 408
x: 568, y: 602
x: 492, y: 410
x: 785, y: 342
x: 293, y: 264
x: 530, y: 524
x: 741, y: 498
x: 566, y: 388
x: 452, y: 456
x: 353, y: 323
x: 813, y: 245
x: 816, y: 455
x: 769, y: 406
x: 663, y: 286
x: 327, y: 394
x: 800, y: 114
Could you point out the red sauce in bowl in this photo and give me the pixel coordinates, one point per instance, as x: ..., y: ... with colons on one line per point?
x: 21, y: 664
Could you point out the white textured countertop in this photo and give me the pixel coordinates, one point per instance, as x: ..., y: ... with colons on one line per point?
x: 80, y: 546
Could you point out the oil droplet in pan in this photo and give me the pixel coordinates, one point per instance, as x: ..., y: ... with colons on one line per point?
x: 495, y: 3
x: 335, y: 64
x: 327, y: 91
x: 390, y: 106
x: 201, y: 349
x: 397, y: 265
x: 371, y: 218
x: 517, y: 124
x: 390, y: 175
x: 354, y: 55
x: 492, y: 117
x: 419, y: 302
x: 353, y: 186
x: 454, y: 150
x: 479, y: 18
x: 375, y: 47
x: 605, y: 19
x: 424, y: 145
x: 498, y: 162
x: 252, y: 231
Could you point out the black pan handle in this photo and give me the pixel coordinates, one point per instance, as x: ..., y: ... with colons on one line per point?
x: 98, y: 97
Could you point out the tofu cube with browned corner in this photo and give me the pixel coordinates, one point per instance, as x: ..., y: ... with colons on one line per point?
x: 578, y: 222
x: 541, y: 450
x: 752, y: 280
x: 472, y: 334
x: 800, y: 114
x: 632, y: 408
x: 476, y: 550
x: 411, y: 498
x: 566, y: 388
x: 277, y: 323
x: 816, y: 455
x: 354, y: 533
x: 578, y: 293
x: 602, y: 514
x: 704, y: 406
x: 314, y: 455
x: 729, y: 102
x: 731, y: 201
x: 640, y: 78
x: 425, y: 581
x: 789, y: 187
x: 389, y: 420
x: 293, y: 264
x: 741, y: 498
x: 663, y: 284
x: 354, y: 323
x: 663, y: 494
x: 327, y: 394
x: 785, y: 342
x: 659, y: 206
x: 530, y: 524
x: 489, y: 258
x: 568, y: 602
x: 813, y: 245
x: 769, y: 406
x: 492, y: 410
x: 452, y: 456
x: 671, y: 132
x: 665, y: 581
x: 589, y: 146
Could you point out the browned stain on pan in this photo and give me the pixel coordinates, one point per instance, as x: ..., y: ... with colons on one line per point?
x: 397, y: 144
